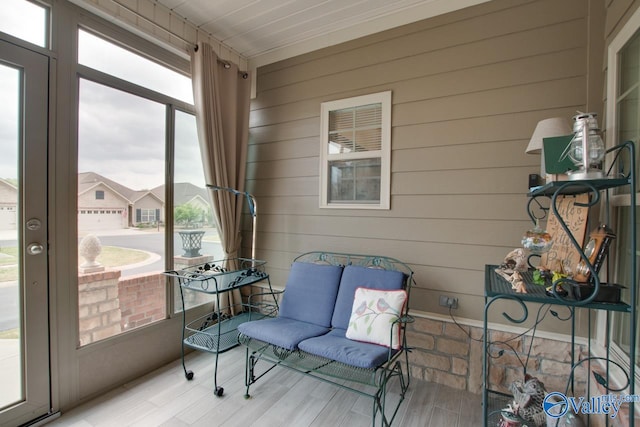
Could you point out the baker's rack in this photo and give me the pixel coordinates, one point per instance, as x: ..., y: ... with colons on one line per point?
x: 497, y: 288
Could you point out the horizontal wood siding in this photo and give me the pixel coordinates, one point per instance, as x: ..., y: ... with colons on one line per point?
x: 468, y: 89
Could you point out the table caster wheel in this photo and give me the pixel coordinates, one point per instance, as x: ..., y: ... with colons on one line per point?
x: 189, y: 375
x: 219, y: 391
x: 247, y: 396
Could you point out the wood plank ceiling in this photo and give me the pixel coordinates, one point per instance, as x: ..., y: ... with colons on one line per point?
x: 265, y: 31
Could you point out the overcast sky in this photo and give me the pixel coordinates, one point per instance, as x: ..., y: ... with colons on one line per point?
x: 121, y: 136
x: 8, y: 123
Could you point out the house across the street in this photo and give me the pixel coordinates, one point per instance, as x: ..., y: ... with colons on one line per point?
x: 104, y: 204
x: 8, y: 205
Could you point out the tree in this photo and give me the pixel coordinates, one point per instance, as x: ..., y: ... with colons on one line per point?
x: 187, y: 214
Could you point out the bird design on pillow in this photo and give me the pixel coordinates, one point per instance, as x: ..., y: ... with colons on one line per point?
x: 375, y: 314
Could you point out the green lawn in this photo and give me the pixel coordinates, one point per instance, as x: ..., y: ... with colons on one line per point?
x: 8, y: 256
x: 111, y: 256
x: 10, y: 334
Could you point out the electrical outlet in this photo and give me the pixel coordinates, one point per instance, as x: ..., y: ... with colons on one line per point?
x: 447, y: 301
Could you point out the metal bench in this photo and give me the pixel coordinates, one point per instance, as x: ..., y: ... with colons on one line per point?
x: 342, y: 319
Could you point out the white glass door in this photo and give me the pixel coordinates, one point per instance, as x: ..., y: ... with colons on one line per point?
x: 24, y: 306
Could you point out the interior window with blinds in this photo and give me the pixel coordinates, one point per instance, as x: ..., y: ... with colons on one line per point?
x: 355, y: 150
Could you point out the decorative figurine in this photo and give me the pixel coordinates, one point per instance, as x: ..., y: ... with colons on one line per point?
x: 514, y: 263
x: 527, y: 400
x: 517, y: 284
x: 516, y: 260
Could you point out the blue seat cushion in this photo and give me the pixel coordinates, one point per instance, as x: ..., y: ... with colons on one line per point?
x: 336, y: 346
x: 310, y: 293
x: 280, y: 331
x: 354, y: 277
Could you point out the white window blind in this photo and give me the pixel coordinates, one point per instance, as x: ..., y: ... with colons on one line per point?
x: 355, y: 129
x: 355, y: 153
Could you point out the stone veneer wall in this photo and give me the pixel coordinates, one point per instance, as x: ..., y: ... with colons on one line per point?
x: 446, y: 354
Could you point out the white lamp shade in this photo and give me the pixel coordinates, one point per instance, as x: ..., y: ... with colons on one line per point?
x: 555, y: 126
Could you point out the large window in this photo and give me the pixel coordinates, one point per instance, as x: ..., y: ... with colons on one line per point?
x: 99, y: 54
x: 25, y: 20
x: 355, y: 152
x: 136, y: 129
x: 192, y: 210
x: 624, y: 125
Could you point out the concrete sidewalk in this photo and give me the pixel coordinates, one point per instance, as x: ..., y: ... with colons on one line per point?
x: 10, y: 372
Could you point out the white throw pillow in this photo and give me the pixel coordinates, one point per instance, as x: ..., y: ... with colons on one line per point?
x: 373, y: 314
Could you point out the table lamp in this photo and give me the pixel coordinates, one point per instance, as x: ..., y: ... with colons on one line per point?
x: 555, y: 126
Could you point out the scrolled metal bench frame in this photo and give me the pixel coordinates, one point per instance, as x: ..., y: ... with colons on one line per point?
x: 331, y: 371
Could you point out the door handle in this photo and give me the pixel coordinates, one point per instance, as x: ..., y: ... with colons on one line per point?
x: 35, y: 249
x: 34, y: 224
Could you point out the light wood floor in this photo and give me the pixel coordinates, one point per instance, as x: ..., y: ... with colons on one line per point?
x: 282, y: 398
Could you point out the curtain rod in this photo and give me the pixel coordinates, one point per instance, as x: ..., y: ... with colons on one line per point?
x: 226, y: 64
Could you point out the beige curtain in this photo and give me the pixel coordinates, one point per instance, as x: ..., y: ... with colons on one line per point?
x: 222, y: 96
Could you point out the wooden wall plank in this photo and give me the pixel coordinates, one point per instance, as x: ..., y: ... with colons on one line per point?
x: 559, y: 37
x: 463, y: 206
x: 468, y: 89
x: 522, y: 71
x: 417, y: 39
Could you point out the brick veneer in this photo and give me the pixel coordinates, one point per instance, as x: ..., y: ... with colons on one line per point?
x: 142, y: 299
x: 109, y: 304
x: 99, y: 308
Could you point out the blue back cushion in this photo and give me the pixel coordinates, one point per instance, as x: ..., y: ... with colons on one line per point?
x: 311, y: 293
x: 356, y: 276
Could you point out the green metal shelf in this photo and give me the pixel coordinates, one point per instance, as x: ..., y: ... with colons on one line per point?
x: 497, y: 287
x: 220, y: 336
x: 577, y: 187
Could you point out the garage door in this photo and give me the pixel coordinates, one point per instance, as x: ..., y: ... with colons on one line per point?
x: 7, y: 218
x: 100, y: 219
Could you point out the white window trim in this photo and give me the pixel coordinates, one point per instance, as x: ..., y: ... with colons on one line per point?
x: 384, y: 98
x: 619, y: 41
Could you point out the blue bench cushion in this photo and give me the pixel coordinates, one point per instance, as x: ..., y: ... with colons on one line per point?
x: 310, y: 293
x: 336, y: 346
x: 355, y: 277
x: 283, y: 332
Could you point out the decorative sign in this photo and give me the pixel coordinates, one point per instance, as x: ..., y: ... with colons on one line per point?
x: 563, y: 256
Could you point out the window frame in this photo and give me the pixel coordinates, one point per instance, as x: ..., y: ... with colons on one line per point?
x: 614, y: 50
x: 131, y: 42
x: 384, y: 154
